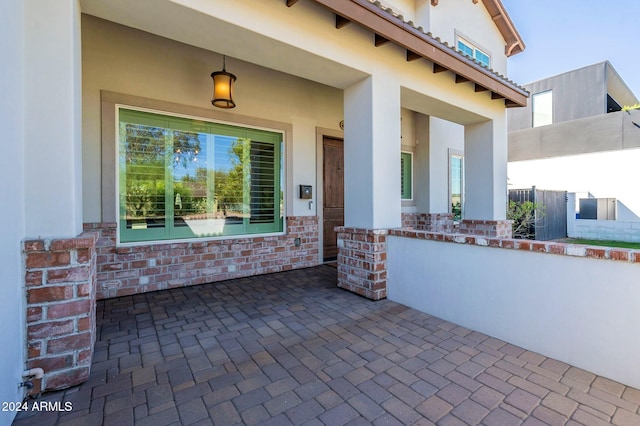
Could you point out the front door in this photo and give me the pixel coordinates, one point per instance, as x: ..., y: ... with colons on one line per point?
x: 333, y: 194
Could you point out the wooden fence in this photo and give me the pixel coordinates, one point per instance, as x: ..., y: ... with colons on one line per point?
x: 551, y: 223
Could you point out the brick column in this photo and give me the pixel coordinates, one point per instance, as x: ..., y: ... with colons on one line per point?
x: 60, y: 278
x: 487, y: 228
x: 435, y: 222
x: 362, y: 261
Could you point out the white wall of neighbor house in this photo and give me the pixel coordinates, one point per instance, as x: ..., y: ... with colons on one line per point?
x: 611, y: 174
x: 12, y: 171
x: 626, y: 227
x: 128, y: 61
x: 577, y: 310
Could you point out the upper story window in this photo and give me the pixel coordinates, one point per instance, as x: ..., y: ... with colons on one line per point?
x: 542, y: 106
x: 474, y: 52
x: 187, y: 178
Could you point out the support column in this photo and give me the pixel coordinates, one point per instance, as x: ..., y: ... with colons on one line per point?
x: 372, y: 184
x: 59, y: 261
x: 485, y: 148
x: 372, y: 154
x: 53, y: 107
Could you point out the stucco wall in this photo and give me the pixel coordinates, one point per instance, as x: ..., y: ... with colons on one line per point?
x: 578, y: 310
x: 626, y: 227
x: 12, y: 232
x: 576, y: 94
x: 430, y: 139
x: 461, y: 17
x: 611, y: 174
x: 443, y: 137
x: 124, y: 60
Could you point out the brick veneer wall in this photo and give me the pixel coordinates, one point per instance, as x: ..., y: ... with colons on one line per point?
x: 435, y: 222
x: 487, y: 228
x: 362, y: 261
x: 60, y: 278
x: 409, y: 220
x: 549, y: 247
x: 149, y: 267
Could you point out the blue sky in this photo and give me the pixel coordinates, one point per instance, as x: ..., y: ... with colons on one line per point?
x: 561, y: 35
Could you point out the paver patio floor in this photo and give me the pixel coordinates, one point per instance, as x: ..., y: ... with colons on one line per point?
x: 292, y: 348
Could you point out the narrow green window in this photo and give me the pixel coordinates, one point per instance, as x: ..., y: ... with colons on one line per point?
x: 184, y: 178
x: 456, y: 184
x: 406, y: 175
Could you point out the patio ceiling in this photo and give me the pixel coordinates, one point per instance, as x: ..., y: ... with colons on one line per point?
x: 181, y: 21
x: 207, y: 26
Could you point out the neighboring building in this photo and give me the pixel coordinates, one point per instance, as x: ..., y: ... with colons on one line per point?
x: 122, y: 178
x: 573, y: 136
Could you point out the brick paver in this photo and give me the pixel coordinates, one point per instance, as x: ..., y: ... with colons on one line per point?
x: 292, y: 348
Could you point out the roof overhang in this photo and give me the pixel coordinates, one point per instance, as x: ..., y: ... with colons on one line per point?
x: 388, y: 27
x: 509, y: 32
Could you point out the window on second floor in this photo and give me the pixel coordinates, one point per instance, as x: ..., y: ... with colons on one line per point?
x: 542, y: 106
x: 474, y: 52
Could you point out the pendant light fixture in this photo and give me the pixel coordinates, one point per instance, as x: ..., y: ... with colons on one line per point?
x: 223, y: 87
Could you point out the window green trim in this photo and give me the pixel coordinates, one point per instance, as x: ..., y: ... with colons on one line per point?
x: 406, y: 175
x: 182, y: 178
x: 456, y: 184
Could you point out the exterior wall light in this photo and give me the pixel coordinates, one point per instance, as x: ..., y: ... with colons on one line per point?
x: 223, y: 87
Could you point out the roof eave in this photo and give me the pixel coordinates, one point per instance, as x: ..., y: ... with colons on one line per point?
x: 497, y: 11
x: 414, y: 40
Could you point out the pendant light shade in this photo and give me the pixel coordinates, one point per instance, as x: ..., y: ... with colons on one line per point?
x: 223, y: 87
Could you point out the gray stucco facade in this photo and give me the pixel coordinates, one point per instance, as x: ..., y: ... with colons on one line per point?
x: 581, y: 123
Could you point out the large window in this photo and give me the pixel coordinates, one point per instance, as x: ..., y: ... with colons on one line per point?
x: 406, y: 175
x: 456, y: 184
x: 186, y: 178
x: 542, y: 105
x: 473, y: 52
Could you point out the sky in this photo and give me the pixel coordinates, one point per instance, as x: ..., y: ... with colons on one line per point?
x: 562, y: 35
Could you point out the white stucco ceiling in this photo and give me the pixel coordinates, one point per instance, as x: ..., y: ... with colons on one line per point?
x: 178, y: 22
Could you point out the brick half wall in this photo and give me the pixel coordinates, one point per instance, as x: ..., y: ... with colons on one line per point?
x: 362, y: 261
x: 149, y: 267
x: 60, y: 279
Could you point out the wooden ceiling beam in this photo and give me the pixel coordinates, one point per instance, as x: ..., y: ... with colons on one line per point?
x: 412, y: 56
x: 379, y: 40
x: 495, y: 95
x: 369, y: 16
x: 479, y: 88
x: 461, y: 79
x: 341, y: 21
x: 437, y: 68
x: 291, y: 2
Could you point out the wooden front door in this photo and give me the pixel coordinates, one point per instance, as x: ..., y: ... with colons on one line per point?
x: 333, y: 194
